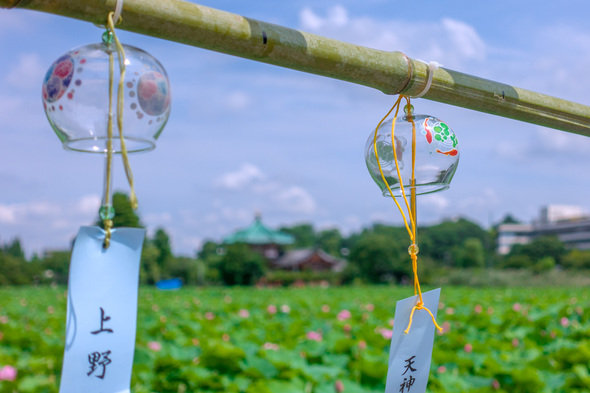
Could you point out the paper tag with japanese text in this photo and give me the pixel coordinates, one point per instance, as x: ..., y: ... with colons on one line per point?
x: 410, y: 354
x: 101, y: 311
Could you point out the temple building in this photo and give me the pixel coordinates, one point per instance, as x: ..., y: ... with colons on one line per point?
x: 272, y: 245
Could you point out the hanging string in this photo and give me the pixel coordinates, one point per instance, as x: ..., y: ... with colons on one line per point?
x: 108, y: 223
x: 411, y: 227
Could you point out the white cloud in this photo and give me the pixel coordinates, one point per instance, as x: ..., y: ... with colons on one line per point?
x: 447, y: 40
x: 436, y: 202
x: 27, y: 72
x: 7, y: 214
x: 88, y: 204
x: 237, y: 101
x: 464, y: 39
x: 296, y: 200
x: 240, y: 179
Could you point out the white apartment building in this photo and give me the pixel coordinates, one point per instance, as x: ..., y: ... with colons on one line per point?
x: 571, y: 224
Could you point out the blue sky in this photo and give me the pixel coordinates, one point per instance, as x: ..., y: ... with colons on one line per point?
x: 245, y: 136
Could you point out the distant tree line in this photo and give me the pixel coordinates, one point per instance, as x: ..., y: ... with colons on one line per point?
x: 377, y: 254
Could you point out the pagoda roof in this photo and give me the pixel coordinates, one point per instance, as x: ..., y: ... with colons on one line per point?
x: 258, y: 233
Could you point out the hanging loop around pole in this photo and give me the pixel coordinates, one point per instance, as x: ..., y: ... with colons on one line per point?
x: 118, y: 9
x: 432, y: 66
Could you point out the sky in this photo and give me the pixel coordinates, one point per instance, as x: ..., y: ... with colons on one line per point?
x: 246, y: 137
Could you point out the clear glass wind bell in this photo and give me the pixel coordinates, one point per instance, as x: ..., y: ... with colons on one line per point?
x: 435, y: 160
x: 75, y: 95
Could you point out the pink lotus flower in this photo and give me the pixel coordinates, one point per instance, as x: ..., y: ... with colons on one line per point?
x: 314, y: 336
x: 339, y: 386
x: 496, y: 384
x: 478, y: 308
x: 209, y: 315
x: 516, y: 307
x: 468, y: 348
x: 286, y: 309
x: 225, y: 337
x: 446, y: 326
x: 362, y: 344
x: 7, y: 373
x: 442, y: 369
x: 564, y: 322
x: 369, y: 307
x: 244, y: 313
x: 386, y: 333
x: 272, y: 309
x: 347, y: 328
x: 515, y: 342
x: 343, y: 315
x: 490, y: 310
x: 271, y: 346
x: 325, y: 308
x: 154, y: 346
x: 391, y: 321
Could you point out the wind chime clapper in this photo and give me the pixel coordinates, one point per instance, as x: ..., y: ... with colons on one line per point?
x: 413, y: 153
x: 107, y: 98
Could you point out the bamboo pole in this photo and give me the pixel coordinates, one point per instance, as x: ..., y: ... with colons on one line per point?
x: 389, y: 72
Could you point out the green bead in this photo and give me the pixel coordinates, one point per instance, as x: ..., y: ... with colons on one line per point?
x: 107, y: 37
x: 413, y: 249
x: 106, y: 212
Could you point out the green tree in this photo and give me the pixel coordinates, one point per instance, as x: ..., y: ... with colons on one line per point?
x: 241, y: 265
x: 161, y: 241
x: 304, y: 234
x: 14, y: 249
x: 56, y: 265
x: 378, y: 258
x: 544, y: 246
x: 471, y: 254
x: 330, y: 240
x: 441, y: 242
x: 576, y: 259
x: 125, y: 216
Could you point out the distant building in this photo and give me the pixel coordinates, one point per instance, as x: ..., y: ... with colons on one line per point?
x: 313, y: 259
x: 271, y: 244
x: 571, y: 225
x: 268, y: 242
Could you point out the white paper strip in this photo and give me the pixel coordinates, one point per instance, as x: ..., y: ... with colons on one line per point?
x: 101, y: 311
x: 410, y: 354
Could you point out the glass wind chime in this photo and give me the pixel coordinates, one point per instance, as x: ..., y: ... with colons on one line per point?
x: 407, y: 156
x: 105, y: 98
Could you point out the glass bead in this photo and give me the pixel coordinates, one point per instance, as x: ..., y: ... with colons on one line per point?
x: 106, y: 212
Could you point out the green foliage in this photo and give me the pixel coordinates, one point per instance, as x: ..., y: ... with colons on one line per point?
x: 304, y: 235
x: 530, y: 340
x: 287, y: 278
x: 545, y: 246
x: 330, y: 240
x: 125, y: 216
x: 544, y: 264
x: 517, y: 261
x: 576, y: 259
x: 378, y: 258
x: 240, y: 265
x: 441, y: 241
x: 471, y: 254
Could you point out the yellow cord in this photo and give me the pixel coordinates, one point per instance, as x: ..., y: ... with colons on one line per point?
x: 120, y: 93
x: 108, y: 223
x: 413, y: 250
